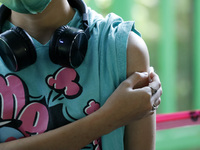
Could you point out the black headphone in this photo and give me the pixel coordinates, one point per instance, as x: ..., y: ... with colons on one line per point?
x: 67, y: 47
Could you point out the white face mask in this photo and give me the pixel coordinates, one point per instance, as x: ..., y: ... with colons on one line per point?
x: 26, y: 6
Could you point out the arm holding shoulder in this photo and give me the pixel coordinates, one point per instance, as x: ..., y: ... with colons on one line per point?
x: 139, y: 134
x: 108, y: 118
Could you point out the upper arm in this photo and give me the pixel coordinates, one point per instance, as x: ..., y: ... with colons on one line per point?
x: 137, y: 54
x: 142, y: 131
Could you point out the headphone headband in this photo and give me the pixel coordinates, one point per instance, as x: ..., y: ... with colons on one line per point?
x: 81, y: 7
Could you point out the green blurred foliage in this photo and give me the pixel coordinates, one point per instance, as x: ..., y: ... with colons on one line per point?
x: 146, y: 14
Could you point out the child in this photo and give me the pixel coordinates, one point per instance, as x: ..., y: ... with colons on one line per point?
x: 63, y: 71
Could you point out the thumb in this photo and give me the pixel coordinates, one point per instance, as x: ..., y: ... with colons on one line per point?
x: 136, y: 78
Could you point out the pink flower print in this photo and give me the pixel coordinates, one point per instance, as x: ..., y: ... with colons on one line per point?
x: 65, y: 81
x: 91, y: 107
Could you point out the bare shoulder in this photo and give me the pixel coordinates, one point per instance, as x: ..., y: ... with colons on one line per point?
x: 137, y: 54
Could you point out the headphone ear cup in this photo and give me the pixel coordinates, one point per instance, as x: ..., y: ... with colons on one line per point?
x: 68, y: 46
x: 17, y: 49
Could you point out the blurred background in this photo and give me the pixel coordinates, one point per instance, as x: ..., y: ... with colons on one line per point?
x: 171, y: 30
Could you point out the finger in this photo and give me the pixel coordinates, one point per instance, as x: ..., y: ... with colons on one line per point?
x: 157, y: 102
x: 155, y: 99
x: 136, y: 78
x: 154, y: 77
x: 150, y: 70
x: 155, y: 83
x: 147, y: 89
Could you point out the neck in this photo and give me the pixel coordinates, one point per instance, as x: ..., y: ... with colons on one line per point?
x: 41, y: 26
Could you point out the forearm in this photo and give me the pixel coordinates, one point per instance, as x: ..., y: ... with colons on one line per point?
x: 141, y: 134
x: 109, y: 117
x: 73, y: 136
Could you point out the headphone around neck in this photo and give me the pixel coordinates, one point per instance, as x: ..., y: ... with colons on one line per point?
x: 68, y: 45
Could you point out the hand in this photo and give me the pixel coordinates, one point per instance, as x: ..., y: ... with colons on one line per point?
x: 156, y: 88
x: 127, y: 104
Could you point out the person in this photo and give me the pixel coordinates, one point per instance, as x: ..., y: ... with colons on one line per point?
x: 102, y: 97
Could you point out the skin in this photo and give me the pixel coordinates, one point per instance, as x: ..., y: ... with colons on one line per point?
x: 42, y: 26
x: 134, y: 94
x: 139, y: 134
